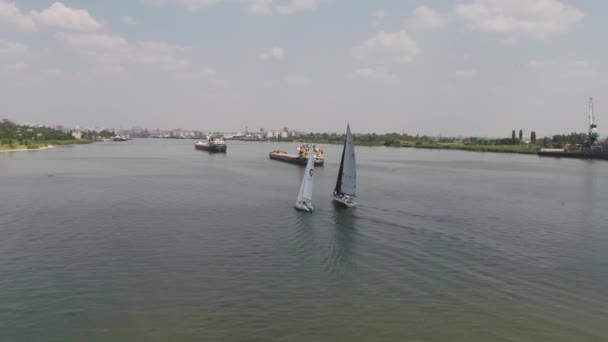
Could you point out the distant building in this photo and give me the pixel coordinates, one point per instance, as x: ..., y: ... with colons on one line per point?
x: 77, y: 135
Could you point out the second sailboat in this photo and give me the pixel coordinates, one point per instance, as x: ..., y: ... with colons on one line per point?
x: 346, y: 185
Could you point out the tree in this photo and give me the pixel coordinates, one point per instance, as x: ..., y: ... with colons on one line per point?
x: 533, y: 137
x: 513, y: 135
x: 521, y: 134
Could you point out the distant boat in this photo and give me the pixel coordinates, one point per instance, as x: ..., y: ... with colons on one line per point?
x: 304, y: 201
x: 346, y: 185
x: 213, y: 145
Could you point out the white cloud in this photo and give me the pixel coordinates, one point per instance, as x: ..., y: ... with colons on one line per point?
x: 377, y: 74
x: 468, y: 73
x: 256, y: 7
x: 396, y: 47
x: 91, y: 40
x: 425, y: 18
x: 12, y: 48
x: 60, y: 16
x: 269, y: 7
x: 261, y: 7
x: 189, y: 5
x: 206, y: 73
x: 297, y: 6
x: 275, y: 52
x: 210, y: 72
x: 165, y: 61
x: 11, y: 16
x: 536, y: 64
x: 162, y: 47
x: 116, y: 50
x: 519, y: 18
x: 378, y: 18
x: 129, y: 20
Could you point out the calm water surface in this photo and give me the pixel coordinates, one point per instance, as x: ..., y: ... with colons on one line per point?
x: 150, y: 240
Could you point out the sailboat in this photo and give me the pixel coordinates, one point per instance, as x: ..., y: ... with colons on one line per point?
x: 304, y: 201
x: 346, y: 185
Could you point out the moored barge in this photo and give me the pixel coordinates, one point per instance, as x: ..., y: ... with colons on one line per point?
x: 301, y: 157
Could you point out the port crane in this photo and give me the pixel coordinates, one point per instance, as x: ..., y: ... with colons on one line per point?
x: 593, y: 133
x: 591, y: 143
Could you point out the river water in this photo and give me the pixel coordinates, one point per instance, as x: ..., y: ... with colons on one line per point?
x: 150, y: 240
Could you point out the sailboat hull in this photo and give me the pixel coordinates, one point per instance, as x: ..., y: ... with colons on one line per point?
x: 303, y: 207
x: 348, y: 204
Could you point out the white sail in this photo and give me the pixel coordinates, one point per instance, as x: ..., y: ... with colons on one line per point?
x: 349, y: 171
x: 308, y: 176
x: 301, y: 193
x: 305, y: 195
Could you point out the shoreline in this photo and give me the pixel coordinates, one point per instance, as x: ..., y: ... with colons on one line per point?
x: 29, y: 149
x: 513, y: 149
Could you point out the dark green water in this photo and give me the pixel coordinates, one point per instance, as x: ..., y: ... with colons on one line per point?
x: 151, y: 240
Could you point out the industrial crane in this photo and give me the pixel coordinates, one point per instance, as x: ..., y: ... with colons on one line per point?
x: 593, y: 133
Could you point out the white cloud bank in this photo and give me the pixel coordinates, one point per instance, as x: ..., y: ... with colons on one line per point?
x: 394, y: 47
x: 256, y: 7
x: 425, y: 18
x: 274, y: 53
x: 519, y: 19
x: 57, y: 16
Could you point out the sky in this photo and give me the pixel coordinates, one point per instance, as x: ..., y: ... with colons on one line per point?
x: 435, y: 67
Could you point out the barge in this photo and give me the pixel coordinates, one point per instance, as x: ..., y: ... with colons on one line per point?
x: 301, y: 157
x: 213, y: 145
x: 580, y: 154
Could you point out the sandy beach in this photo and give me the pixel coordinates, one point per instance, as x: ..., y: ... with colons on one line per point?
x: 26, y: 149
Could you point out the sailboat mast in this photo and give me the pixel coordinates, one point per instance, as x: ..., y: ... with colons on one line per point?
x: 338, y: 188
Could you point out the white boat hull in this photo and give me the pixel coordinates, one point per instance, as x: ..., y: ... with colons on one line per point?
x: 304, y: 206
x: 348, y: 204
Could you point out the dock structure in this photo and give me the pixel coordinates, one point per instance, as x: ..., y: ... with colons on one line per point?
x: 590, y: 148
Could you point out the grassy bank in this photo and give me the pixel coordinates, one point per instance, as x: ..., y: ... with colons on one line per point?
x: 34, y: 145
x: 522, y: 149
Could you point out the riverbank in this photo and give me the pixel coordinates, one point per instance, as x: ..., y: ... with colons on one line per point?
x: 26, y: 149
x: 40, y: 145
x: 520, y: 149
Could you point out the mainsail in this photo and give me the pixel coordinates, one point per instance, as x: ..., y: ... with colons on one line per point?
x: 307, y: 181
x: 347, y: 175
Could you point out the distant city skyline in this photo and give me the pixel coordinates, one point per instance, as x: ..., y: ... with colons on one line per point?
x: 451, y: 68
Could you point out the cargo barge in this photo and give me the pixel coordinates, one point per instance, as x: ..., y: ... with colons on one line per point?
x: 301, y: 157
x: 217, y: 145
x: 580, y: 154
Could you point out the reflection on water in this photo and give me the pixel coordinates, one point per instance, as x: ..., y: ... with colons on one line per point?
x: 341, y: 245
x: 151, y: 240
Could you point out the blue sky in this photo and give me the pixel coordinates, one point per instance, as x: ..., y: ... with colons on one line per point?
x: 468, y: 67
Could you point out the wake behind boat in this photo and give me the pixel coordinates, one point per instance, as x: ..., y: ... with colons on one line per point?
x: 346, y: 185
x: 213, y: 145
x: 304, y: 201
